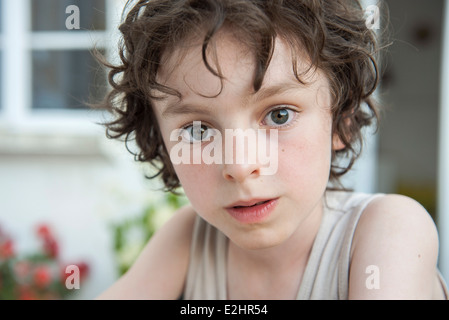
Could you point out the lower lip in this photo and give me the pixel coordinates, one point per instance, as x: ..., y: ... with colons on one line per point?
x: 253, y: 214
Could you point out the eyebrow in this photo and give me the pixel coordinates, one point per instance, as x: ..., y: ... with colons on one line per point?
x: 274, y: 90
x: 178, y: 108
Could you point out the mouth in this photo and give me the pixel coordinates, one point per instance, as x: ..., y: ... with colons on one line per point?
x: 248, y: 204
x: 252, y: 211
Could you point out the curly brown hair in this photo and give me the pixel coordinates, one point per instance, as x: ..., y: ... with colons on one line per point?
x: 333, y: 33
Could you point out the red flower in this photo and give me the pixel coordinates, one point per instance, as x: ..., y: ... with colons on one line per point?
x: 82, y: 267
x: 6, y: 249
x: 43, y: 231
x: 50, y: 245
x: 22, y: 269
x: 84, y: 270
x: 42, y: 277
x: 35, y: 279
x: 25, y: 293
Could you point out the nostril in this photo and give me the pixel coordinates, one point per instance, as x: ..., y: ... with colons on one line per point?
x: 240, y: 172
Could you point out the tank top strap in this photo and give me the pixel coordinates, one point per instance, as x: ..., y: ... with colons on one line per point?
x: 206, y: 275
x: 327, y: 272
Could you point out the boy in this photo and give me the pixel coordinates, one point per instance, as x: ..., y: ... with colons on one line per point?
x: 297, y: 72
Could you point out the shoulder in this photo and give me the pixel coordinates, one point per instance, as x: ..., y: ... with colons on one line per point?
x: 395, y: 215
x: 397, y: 237
x: 178, y: 228
x: 160, y: 270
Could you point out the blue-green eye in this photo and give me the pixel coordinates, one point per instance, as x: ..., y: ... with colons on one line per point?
x: 197, y: 133
x: 279, y: 117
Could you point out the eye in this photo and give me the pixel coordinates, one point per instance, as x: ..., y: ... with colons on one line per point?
x: 197, y: 132
x: 281, y: 116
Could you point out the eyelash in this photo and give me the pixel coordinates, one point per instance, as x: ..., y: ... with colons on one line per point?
x: 284, y: 107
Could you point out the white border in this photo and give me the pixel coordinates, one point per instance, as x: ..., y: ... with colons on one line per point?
x: 443, y: 165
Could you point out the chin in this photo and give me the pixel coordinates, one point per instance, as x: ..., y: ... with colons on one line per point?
x: 257, y: 240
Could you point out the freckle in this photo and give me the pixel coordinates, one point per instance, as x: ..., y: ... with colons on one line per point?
x: 419, y: 256
x: 283, y: 150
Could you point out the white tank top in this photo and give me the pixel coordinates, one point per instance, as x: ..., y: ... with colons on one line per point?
x: 326, y: 276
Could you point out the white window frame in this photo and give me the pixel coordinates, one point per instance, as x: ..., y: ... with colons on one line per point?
x: 17, y: 42
x: 443, y: 163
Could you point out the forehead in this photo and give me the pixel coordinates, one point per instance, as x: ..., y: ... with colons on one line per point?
x: 184, y: 69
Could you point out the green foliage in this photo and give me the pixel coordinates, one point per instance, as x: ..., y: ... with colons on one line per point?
x: 131, y: 235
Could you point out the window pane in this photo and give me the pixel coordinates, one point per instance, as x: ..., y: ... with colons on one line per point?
x: 66, y: 79
x: 50, y: 15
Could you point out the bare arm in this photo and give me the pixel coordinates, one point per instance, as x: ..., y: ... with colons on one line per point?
x: 396, y: 241
x: 160, y: 270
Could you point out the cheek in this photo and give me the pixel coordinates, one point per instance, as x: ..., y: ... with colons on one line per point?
x: 191, y: 176
x: 304, y: 161
x: 198, y: 181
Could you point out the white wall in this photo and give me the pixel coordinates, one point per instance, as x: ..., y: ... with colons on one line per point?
x: 78, y: 185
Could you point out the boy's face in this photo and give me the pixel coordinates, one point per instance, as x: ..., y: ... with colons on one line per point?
x: 222, y: 193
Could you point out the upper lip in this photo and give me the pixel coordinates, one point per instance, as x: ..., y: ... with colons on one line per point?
x: 248, y: 203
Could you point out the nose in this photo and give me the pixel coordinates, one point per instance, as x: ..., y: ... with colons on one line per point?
x: 240, y: 172
x: 241, y: 159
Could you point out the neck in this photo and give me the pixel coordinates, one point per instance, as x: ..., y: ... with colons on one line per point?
x: 295, y: 250
x: 274, y: 272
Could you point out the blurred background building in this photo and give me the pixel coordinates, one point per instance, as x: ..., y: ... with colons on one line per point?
x: 57, y: 167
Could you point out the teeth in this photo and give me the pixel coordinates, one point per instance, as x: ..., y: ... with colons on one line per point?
x: 256, y: 204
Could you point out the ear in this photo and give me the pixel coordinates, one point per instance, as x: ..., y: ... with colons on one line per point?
x: 337, y: 144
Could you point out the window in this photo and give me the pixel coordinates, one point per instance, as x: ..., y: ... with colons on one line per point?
x: 46, y: 53
x: 65, y: 78
x: 51, y: 15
